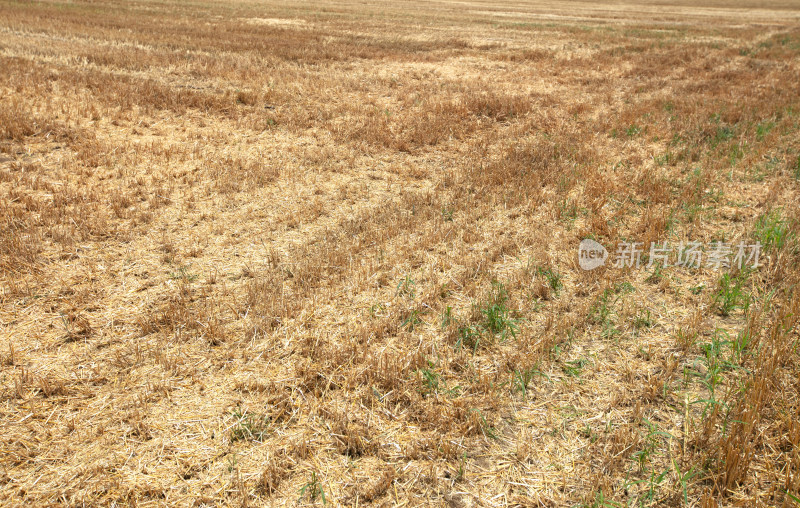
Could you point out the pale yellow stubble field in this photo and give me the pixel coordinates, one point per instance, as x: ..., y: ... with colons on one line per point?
x: 266, y: 253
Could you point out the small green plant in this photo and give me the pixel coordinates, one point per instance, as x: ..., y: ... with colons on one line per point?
x: 183, y: 274
x: 233, y: 462
x: 430, y: 378
x: 433, y: 383
x: 656, y: 276
x: 633, y: 130
x: 447, y: 215
x: 412, y: 320
x: 553, y: 279
x: 685, y: 338
x: 643, y: 319
x: 731, y: 295
x: 797, y: 169
x: 653, y: 483
x: 521, y: 379
x: 407, y: 287
x: 692, y: 211
x: 462, y: 468
x: 375, y: 310
x: 497, y: 317
x: 469, y: 336
x: 624, y: 288
x: 487, y: 429
x: 562, y: 345
x: 601, y: 310
x: 664, y: 159
x: 684, y: 478
x: 763, y: 129
x: 711, y: 379
x: 650, y: 443
x: 610, y: 331
x: 711, y: 374
x: 724, y: 133
x: 314, y: 490
x: 736, y: 152
x: 771, y: 230
x: 573, y: 368
x: 600, y: 501
x: 567, y: 209
x: 696, y: 290
x: 248, y: 426
x: 588, y: 433
x: 447, y: 317
x: 740, y: 345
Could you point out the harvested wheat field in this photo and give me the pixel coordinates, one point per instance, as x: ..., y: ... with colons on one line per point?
x: 406, y: 253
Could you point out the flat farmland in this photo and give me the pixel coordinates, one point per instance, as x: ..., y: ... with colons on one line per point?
x: 297, y: 253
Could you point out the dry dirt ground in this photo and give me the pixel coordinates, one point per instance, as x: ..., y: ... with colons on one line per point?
x: 326, y: 253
